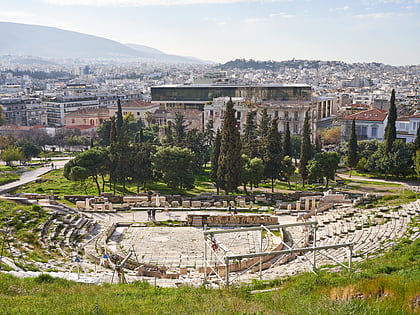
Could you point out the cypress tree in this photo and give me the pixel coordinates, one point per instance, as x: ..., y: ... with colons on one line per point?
x: 273, y: 153
x: 215, y: 160
x: 352, y: 157
x: 249, y: 143
x: 305, y: 149
x: 263, y: 126
x: 390, y: 130
x: 417, y: 140
x: 179, y: 130
x: 264, y: 123
x: 287, y: 142
x: 230, y: 160
x: 119, y: 117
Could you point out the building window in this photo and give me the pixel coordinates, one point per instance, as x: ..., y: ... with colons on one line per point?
x: 238, y: 115
x: 374, y: 132
x: 276, y: 114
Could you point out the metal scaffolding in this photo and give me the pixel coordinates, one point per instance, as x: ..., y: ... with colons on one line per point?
x: 223, y: 256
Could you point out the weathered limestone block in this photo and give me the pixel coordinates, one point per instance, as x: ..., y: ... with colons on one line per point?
x: 196, y: 204
x: 206, y: 204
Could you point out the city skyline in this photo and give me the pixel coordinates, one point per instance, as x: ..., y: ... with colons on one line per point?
x: 222, y: 30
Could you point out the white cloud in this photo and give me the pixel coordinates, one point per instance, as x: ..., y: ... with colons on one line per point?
x: 14, y: 14
x: 280, y: 15
x: 146, y: 2
x: 345, y: 8
x: 379, y: 15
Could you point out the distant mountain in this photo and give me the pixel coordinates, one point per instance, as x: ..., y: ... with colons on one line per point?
x: 156, y: 54
x: 48, y: 42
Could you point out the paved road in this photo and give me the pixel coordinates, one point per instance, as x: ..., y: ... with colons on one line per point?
x: 360, y: 178
x: 31, y: 176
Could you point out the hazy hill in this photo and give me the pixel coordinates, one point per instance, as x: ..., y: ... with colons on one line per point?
x: 160, y: 55
x: 49, y: 42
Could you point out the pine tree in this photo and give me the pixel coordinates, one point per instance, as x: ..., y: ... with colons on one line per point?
x: 287, y: 142
x: 305, y: 149
x: 215, y: 160
x: 230, y: 160
x: 352, y: 157
x: 390, y: 130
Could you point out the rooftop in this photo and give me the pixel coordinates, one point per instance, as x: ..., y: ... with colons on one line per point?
x: 368, y: 115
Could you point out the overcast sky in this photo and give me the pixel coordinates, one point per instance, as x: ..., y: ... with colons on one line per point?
x: 221, y: 30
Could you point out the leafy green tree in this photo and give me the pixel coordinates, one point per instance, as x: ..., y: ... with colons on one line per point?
x: 104, y: 133
x: 250, y: 145
x: 29, y: 150
x: 252, y: 171
x: 305, y: 149
x: 398, y: 162
x: 195, y: 141
x: 215, y: 160
x: 390, y: 130
x: 324, y: 166
x: 352, y: 157
x: 175, y: 165
x: 287, y: 169
x: 273, y: 153
x: 10, y: 154
x: 142, y: 171
x: 90, y: 163
x: 230, y: 160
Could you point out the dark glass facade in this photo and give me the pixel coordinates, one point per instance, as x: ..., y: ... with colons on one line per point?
x: 207, y: 93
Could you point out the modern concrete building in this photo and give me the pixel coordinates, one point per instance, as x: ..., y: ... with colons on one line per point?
x: 59, y: 106
x: 407, y: 127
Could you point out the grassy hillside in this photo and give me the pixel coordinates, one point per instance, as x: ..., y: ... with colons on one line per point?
x: 389, y: 284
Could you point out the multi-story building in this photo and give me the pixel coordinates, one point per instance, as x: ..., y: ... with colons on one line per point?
x: 59, y: 106
x: 138, y: 109
x: 204, y: 102
x: 370, y: 124
x: 407, y: 126
x: 87, y: 117
x: 14, y: 110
